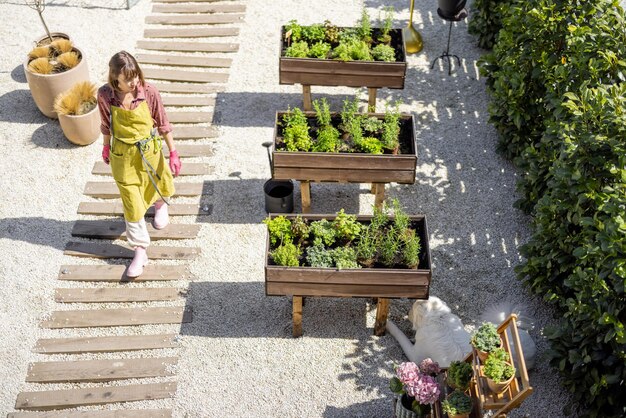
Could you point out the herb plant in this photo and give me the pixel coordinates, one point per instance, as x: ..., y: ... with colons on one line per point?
x: 296, y: 132
x: 457, y: 403
x: 319, y: 50
x: 365, y: 27
x: 345, y: 258
x: 385, y: 37
x: 372, y: 124
x: 384, y: 53
x: 368, y: 144
x: 319, y: 256
x: 459, y: 375
x: 486, y: 338
x: 331, y: 32
x: 391, y: 130
x: 323, y: 232
x: 497, y: 369
x: 287, y: 254
x: 314, y: 33
x: 299, y: 229
x: 279, y: 229
x: 297, y: 50
x: 411, y: 248
x: 346, y: 226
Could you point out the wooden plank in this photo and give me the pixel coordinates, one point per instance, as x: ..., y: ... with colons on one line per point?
x: 352, y: 161
x: 184, y: 1
x: 105, y: 344
x: 329, y: 79
x: 191, y: 19
x: 98, y: 250
x: 305, y: 194
x: 190, y: 150
x: 184, y: 60
x: 70, y: 398
x: 105, y: 295
x: 344, y: 175
x: 195, y: 132
x: 116, y: 273
x: 184, y: 75
x: 189, y: 32
x: 297, y: 316
x: 116, y: 230
x: 382, y: 311
x: 109, y: 190
x: 100, y: 370
x: 188, y: 101
x: 366, y: 276
x: 116, y: 208
x: 118, y: 413
x: 187, y: 47
x: 189, y: 87
x: 190, y: 117
x: 117, y: 317
x: 198, y: 8
x: 188, y: 169
x: 379, y: 199
x: 345, y: 290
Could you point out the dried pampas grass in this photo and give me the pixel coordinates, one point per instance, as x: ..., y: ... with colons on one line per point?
x: 39, y: 52
x: 61, y: 46
x: 78, y: 100
x: 41, y: 66
x: 68, y: 60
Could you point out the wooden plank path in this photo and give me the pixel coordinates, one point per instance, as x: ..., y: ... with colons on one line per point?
x: 187, y: 101
x: 190, y: 117
x: 188, y: 169
x: 97, y: 250
x: 187, y: 47
x: 116, y: 273
x: 116, y: 209
x: 190, y: 150
x: 189, y: 32
x: 78, y: 345
x: 117, y: 317
x: 119, y: 413
x: 184, y: 75
x: 198, y: 8
x: 191, y: 19
x: 116, y: 230
x: 70, y: 398
x: 109, y: 190
x: 188, y: 88
x: 183, y: 60
x: 110, y: 295
x: 100, y: 370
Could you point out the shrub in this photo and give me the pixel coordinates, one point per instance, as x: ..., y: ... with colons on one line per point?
x: 457, y: 403
x: 287, y: 254
x: 486, y: 338
x: 486, y: 20
x: 460, y: 374
x: 384, y: 52
x: 319, y: 50
x: 279, y: 229
x: 346, y: 226
x: 323, y: 232
x: 298, y: 49
x: 319, y: 256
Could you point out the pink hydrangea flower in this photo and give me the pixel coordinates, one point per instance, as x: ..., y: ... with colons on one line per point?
x: 407, y: 372
x: 425, y: 390
x: 429, y: 367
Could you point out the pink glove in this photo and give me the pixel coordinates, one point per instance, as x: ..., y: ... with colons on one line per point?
x: 106, y: 149
x: 175, y: 163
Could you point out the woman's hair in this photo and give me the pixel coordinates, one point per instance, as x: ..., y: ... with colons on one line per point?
x: 124, y: 63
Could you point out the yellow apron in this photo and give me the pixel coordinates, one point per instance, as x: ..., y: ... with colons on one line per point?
x: 128, y: 127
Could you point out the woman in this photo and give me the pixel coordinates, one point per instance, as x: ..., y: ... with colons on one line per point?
x: 133, y: 121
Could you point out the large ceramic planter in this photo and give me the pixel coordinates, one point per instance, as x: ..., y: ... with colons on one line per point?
x: 351, y: 167
x: 81, y: 129
x: 45, y: 87
x: 363, y: 282
x: 44, y: 40
x: 328, y: 72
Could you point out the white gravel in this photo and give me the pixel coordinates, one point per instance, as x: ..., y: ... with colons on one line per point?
x: 237, y: 356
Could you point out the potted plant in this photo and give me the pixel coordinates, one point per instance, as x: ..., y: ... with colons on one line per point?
x: 485, y: 340
x: 498, y: 370
x: 417, y: 391
x: 459, y: 375
x: 347, y: 146
x: 52, y: 69
x: 457, y: 405
x: 327, y: 55
x: 78, y: 113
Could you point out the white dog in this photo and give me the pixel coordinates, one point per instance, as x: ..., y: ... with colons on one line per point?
x: 439, y: 334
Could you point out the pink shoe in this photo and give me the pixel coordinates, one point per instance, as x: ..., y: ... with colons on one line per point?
x: 161, y: 217
x: 136, y: 266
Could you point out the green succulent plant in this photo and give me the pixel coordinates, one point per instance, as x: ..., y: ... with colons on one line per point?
x: 486, y: 338
x: 457, y: 403
x: 459, y: 374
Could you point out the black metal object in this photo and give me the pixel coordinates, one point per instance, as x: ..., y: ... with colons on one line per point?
x: 462, y: 14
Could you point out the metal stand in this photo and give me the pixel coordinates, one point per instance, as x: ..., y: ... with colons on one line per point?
x: 446, y: 54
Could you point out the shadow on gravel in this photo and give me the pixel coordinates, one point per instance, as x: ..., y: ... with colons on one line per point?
x: 86, y: 4
x: 51, y: 135
x: 18, y: 106
x: 37, y: 230
x: 376, y: 408
x: 18, y: 74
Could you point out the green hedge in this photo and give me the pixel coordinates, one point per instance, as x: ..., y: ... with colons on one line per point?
x: 486, y: 20
x: 556, y: 77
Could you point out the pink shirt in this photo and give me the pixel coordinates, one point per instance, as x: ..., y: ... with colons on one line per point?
x: 148, y: 93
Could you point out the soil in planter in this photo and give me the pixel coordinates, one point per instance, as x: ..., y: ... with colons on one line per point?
x: 404, y: 137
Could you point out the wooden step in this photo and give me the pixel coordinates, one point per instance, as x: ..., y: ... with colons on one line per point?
x: 100, y: 370
x: 190, y: 150
x: 116, y: 230
x: 188, y: 169
x: 70, y: 398
x: 187, y: 47
x: 106, y: 295
x: 109, y: 190
x: 195, y: 132
x: 189, y: 88
x: 116, y: 208
x: 98, y: 250
x: 190, y: 117
x: 184, y: 75
x: 198, y: 8
x: 189, y: 32
x: 117, y: 317
x: 183, y: 60
x: 116, y: 273
x: 117, y: 413
x: 185, y: 1
x: 105, y: 344
x: 191, y: 19
x: 187, y: 101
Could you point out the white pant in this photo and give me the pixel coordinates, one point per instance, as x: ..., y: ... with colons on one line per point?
x: 137, y: 234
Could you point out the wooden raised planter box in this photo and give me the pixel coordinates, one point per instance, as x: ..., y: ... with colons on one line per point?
x: 328, y: 72
x: 382, y: 283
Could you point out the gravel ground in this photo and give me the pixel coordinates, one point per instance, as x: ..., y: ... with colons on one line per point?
x: 237, y: 356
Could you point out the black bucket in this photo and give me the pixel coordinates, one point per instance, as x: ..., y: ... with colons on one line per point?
x: 278, y: 196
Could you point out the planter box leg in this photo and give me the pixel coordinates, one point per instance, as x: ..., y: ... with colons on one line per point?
x: 306, y: 98
x: 373, y: 188
x: 297, y: 316
x: 382, y: 310
x: 371, y: 102
x: 305, y: 194
x: 380, y: 194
